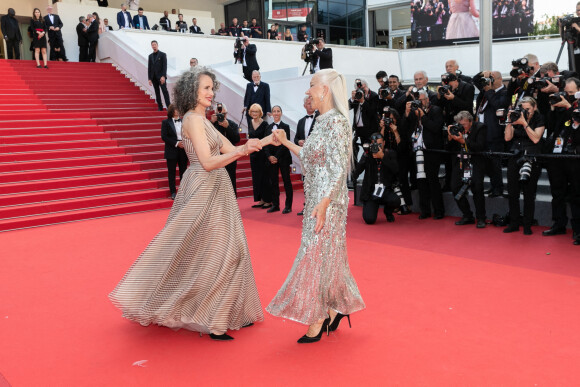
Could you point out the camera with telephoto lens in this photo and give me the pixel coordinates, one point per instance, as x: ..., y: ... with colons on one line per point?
x: 456, y: 129
x: 525, y: 163
x: 416, y: 105
x: 219, y: 113
x: 516, y: 113
x: 386, y: 118
x: 442, y: 90
x: 373, y: 148
x: 557, y: 97
x: 482, y: 82
x: 568, y: 32
x: 238, y: 45
x: 502, y: 116
x: 541, y: 82
x: 463, y: 190
x: 521, y: 66
x: 359, y: 93
x: 309, y: 50
x: 385, y: 93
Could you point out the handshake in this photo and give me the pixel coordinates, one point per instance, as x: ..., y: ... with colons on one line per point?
x: 277, y: 138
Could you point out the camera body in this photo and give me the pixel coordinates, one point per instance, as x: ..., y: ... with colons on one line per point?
x: 372, y: 148
x: 515, y: 114
x: 442, y: 90
x: 481, y: 82
x: 557, y: 97
x: 219, y: 113
x: 416, y: 105
x: 385, y: 93
x: 386, y: 118
x: 521, y: 66
x: 456, y: 129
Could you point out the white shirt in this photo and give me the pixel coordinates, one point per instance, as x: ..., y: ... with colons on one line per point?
x: 307, y: 125
x: 177, y: 130
x: 126, y: 15
x: 51, y: 17
x: 256, y: 86
x: 244, y: 59
x: 358, y: 117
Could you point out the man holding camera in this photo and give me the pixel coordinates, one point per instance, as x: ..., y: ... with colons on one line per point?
x: 245, y: 53
x: 364, y: 102
x: 564, y: 174
x: 421, y: 80
x: 424, y: 121
x: 380, y: 167
x: 522, y: 69
x: 570, y: 31
x: 452, y: 67
x: 389, y: 90
x: 229, y: 129
x: 492, y: 97
x: 322, y: 56
x: 466, y: 136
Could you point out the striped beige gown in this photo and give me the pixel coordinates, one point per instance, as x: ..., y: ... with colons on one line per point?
x: 196, y: 273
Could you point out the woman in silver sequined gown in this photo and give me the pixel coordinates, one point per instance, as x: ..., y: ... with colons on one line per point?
x: 320, y: 288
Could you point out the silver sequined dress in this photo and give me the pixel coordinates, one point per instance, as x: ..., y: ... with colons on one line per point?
x: 320, y: 278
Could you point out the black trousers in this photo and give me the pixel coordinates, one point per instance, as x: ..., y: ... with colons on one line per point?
x: 260, y: 178
x: 493, y: 168
x: 13, y: 48
x: 247, y: 74
x: 93, y: 51
x: 477, y: 175
x: 564, y: 178
x: 231, y: 169
x: 430, y: 188
x: 403, y: 176
x: 83, y: 53
x: 181, y: 162
x: 284, y: 168
x: 371, y: 211
x: 156, y: 86
x: 529, y: 189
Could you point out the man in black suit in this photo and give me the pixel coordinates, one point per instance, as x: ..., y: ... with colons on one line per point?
x: 304, y: 127
x: 103, y: 3
x: 157, y: 73
x: 140, y: 21
x: 229, y: 129
x: 364, y: 102
x: 322, y: 56
x: 11, y: 33
x: 93, y: 36
x: 278, y: 158
x: 389, y: 91
x: 174, y: 153
x: 83, y: 40
x: 247, y: 58
x: 492, y: 97
x: 54, y: 25
x: 164, y: 22
x: 194, y: 29
x: 257, y: 92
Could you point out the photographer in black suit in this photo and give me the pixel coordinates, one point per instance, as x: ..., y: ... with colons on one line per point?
x: 380, y: 167
x: 229, y: 129
x: 157, y: 73
x: 466, y: 136
x: 304, y: 127
x: 83, y: 40
x: 247, y: 56
x: 278, y: 158
x: 322, y: 56
x: 364, y: 102
x: 174, y: 153
x: 11, y: 33
x: 55, y: 35
x: 389, y: 91
x: 257, y: 92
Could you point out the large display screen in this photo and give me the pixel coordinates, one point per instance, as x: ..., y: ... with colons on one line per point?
x: 436, y: 23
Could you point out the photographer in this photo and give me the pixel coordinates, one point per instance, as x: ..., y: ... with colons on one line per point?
x: 380, y: 167
x: 229, y: 129
x: 424, y: 122
x: 322, y: 56
x: 522, y: 70
x: 492, y: 97
x: 525, y: 128
x: 389, y: 90
x: 564, y: 174
x: 398, y: 140
x: 452, y: 67
x: 570, y: 30
x: 465, y: 137
x: 421, y: 80
x: 245, y: 53
x: 364, y: 103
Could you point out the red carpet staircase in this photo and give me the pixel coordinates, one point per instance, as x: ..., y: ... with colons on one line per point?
x: 80, y: 141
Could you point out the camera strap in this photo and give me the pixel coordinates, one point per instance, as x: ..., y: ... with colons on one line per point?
x: 379, y: 186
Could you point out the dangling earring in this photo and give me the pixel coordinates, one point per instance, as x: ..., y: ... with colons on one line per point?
x: 322, y: 98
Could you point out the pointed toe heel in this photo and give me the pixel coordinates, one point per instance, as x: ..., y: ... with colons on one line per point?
x: 336, y: 322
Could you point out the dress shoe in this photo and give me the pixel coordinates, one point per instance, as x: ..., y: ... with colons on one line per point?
x: 39, y: 67
x: 575, y: 235
x: 173, y: 195
x: 480, y: 223
x: 390, y: 218
x: 527, y: 230
x: 259, y: 205
x: 46, y: 67
x: 405, y: 210
x: 159, y: 109
x: 511, y: 228
x: 334, y: 326
x: 487, y: 191
x: 224, y: 337
x: 273, y: 209
x: 463, y: 221
x: 301, y: 213
x: 576, y: 242
x: 266, y: 205
x: 554, y: 231
x: 437, y: 217
x: 287, y: 210
x: 307, y: 339
x: 495, y: 194
x: 424, y: 216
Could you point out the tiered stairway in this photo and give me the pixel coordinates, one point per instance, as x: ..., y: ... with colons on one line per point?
x: 80, y: 141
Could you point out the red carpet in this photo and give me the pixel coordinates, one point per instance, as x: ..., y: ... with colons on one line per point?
x: 446, y: 305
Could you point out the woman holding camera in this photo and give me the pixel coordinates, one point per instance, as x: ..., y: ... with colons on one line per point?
x: 523, y: 172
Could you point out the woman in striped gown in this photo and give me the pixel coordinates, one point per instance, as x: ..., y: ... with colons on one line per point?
x: 197, y: 273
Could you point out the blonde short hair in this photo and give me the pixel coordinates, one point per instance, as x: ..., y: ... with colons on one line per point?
x: 256, y: 107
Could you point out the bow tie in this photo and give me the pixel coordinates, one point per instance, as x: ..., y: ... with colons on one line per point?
x: 310, y: 116
x: 256, y: 84
x: 177, y: 120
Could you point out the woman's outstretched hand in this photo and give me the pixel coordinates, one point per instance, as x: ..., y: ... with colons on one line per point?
x: 252, y: 145
x: 270, y: 140
x: 280, y: 135
x: 319, y: 213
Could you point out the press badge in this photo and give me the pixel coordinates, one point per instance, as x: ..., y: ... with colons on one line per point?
x: 467, y: 174
x: 379, y: 189
x: 559, y: 145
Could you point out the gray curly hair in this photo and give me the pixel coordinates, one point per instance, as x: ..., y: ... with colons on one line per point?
x: 187, y: 87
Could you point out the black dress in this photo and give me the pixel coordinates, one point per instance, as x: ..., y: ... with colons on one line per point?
x: 260, y: 177
x: 36, y: 25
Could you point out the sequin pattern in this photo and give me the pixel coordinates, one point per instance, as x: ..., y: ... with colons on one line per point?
x: 320, y: 278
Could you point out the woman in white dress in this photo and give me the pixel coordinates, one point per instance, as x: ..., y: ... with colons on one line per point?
x: 461, y: 24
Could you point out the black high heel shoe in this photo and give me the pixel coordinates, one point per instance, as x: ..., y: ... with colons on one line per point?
x: 224, y: 337
x: 307, y: 339
x: 334, y: 326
